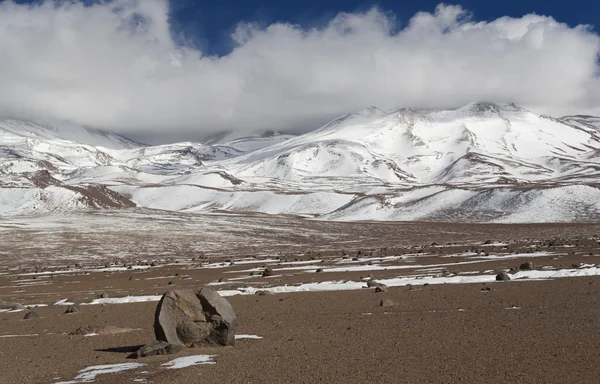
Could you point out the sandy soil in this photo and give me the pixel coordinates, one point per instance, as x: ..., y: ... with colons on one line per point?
x: 529, y: 331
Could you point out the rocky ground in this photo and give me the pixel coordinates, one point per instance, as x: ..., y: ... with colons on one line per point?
x: 445, y: 318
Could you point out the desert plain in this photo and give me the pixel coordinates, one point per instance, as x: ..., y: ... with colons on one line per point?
x: 315, y: 316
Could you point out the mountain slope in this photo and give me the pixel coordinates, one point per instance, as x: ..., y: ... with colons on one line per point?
x: 482, y: 162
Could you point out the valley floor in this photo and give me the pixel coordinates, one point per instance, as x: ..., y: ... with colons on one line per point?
x: 450, y: 321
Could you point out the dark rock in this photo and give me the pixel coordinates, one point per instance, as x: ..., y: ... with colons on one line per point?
x: 319, y: 270
x: 502, y: 277
x: 380, y: 289
x: 262, y: 292
x: 171, y: 283
x: 512, y: 271
x: 267, y: 272
x: 386, y: 303
x: 526, y: 266
x: 83, y: 330
x: 73, y: 309
x: 103, y: 295
x: 487, y: 242
x: 157, y: 348
x: 31, y: 315
x: 373, y: 283
x: 222, y: 280
x: 195, y: 318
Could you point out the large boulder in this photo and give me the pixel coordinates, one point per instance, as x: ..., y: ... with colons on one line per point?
x: 195, y: 318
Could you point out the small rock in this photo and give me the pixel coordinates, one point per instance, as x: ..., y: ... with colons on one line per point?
x: 171, y: 283
x: 157, y: 348
x: 380, y: 289
x: 17, y: 307
x: 502, y: 277
x: 103, y: 295
x: 373, y: 283
x: 319, y: 270
x: 262, y: 292
x: 267, y: 272
x: 386, y: 303
x: 31, y: 315
x: 222, y: 280
x: 526, y: 266
x: 73, y: 309
x: 486, y: 289
x: 83, y: 330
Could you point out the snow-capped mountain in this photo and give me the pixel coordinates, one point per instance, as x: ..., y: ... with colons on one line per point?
x: 482, y: 162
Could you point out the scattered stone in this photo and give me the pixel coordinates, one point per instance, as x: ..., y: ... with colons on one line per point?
x: 154, y: 264
x: 11, y: 306
x: 512, y: 271
x: 502, y: 277
x: 157, y: 348
x: 267, y: 272
x: 386, y: 303
x: 262, y: 292
x: 373, y: 283
x: 488, y: 242
x: 31, y: 315
x: 486, y: 289
x: 222, y: 280
x: 73, y: 309
x: 171, y: 283
x: 103, y: 295
x: 380, y: 289
x: 526, y: 266
x: 319, y: 270
x: 195, y: 318
x: 83, y: 330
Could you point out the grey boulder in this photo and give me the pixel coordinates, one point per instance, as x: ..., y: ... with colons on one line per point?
x: 195, y: 318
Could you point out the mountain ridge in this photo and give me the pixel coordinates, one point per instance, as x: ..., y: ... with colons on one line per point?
x: 480, y: 162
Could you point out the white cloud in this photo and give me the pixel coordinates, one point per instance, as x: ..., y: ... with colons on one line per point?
x: 116, y: 66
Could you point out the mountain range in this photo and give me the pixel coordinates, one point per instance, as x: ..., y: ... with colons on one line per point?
x: 482, y: 162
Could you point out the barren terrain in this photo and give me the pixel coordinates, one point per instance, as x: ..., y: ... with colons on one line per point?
x: 450, y: 321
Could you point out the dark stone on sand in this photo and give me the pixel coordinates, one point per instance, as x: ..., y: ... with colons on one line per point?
x: 73, y: 309
x: 319, y: 270
x: 171, y: 283
x: 157, y: 348
x: 526, y: 266
x: 31, y: 315
x: 103, y: 295
x: 262, y: 292
x: 380, y: 289
x: 195, y: 318
x: 502, y: 277
x: 386, y: 303
x: 373, y: 283
x: 267, y: 272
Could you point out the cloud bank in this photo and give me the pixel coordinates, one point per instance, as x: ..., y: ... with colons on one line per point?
x: 116, y: 66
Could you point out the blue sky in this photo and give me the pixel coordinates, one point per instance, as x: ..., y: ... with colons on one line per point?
x: 209, y: 24
x: 190, y: 67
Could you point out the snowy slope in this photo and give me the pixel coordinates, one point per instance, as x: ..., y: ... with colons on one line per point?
x: 482, y: 162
